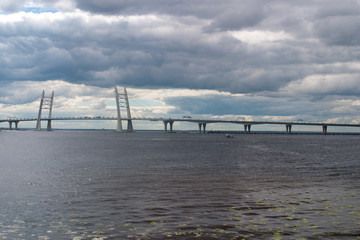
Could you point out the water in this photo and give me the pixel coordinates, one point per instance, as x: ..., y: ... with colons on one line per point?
x: 106, y: 185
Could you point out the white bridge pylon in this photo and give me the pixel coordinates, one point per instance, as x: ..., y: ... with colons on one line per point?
x: 122, y: 101
x: 47, y: 104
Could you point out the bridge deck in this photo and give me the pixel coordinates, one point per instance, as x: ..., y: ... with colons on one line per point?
x: 186, y: 120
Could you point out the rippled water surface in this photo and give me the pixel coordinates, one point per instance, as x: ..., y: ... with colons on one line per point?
x: 107, y: 185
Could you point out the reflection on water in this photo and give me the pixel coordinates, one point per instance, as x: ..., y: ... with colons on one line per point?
x: 106, y: 185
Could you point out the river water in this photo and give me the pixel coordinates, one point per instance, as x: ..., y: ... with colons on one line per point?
x: 108, y: 185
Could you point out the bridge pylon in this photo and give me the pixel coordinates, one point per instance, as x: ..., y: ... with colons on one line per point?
x: 47, y: 104
x: 122, y: 101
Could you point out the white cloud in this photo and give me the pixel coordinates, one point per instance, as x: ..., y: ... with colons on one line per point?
x: 64, y: 5
x: 257, y: 37
x: 321, y: 85
x: 233, y: 117
x: 356, y: 103
x: 279, y: 118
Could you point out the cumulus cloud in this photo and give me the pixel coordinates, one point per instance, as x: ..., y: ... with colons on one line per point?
x: 11, y: 6
x: 242, y: 15
x: 205, y: 9
x: 338, y: 24
x: 258, y: 37
x: 28, y: 91
x: 318, y: 86
x: 339, y: 30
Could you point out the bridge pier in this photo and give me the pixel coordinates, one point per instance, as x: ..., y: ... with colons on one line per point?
x: 202, y: 126
x: 16, y: 125
x: 165, y: 126
x: 324, y: 128
x: 247, y: 128
x: 171, y: 126
x: 288, y: 128
x: 171, y: 122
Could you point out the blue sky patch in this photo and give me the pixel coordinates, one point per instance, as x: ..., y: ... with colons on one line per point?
x: 39, y: 10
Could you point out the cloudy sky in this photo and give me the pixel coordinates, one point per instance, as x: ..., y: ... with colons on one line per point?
x: 252, y: 59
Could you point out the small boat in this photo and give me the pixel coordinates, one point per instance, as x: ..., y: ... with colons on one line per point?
x: 229, y: 136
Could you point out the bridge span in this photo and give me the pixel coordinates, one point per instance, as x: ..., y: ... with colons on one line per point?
x: 46, y: 103
x: 202, y: 123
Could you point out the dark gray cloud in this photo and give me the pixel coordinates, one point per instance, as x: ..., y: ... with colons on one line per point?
x: 241, y: 15
x: 336, y: 9
x: 200, y: 9
x: 11, y: 6
x: 339, y: 30
x: 229, y: 15
x: 185, y: 44
x: 338, y: 23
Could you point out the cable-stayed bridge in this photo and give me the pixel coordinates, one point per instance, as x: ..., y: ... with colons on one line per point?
x: 122, y: 103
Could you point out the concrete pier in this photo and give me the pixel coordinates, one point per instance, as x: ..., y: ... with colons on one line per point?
x: 171, y: 126
x: 288, y: 128
x: 247, y: 128
x: 16, y: 125
x: 165, y: 126
x: 202, y: 127
x: 324, y: 128
x: 171, y: 123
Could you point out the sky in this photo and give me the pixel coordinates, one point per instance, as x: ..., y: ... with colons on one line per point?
x: 230, y: 59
